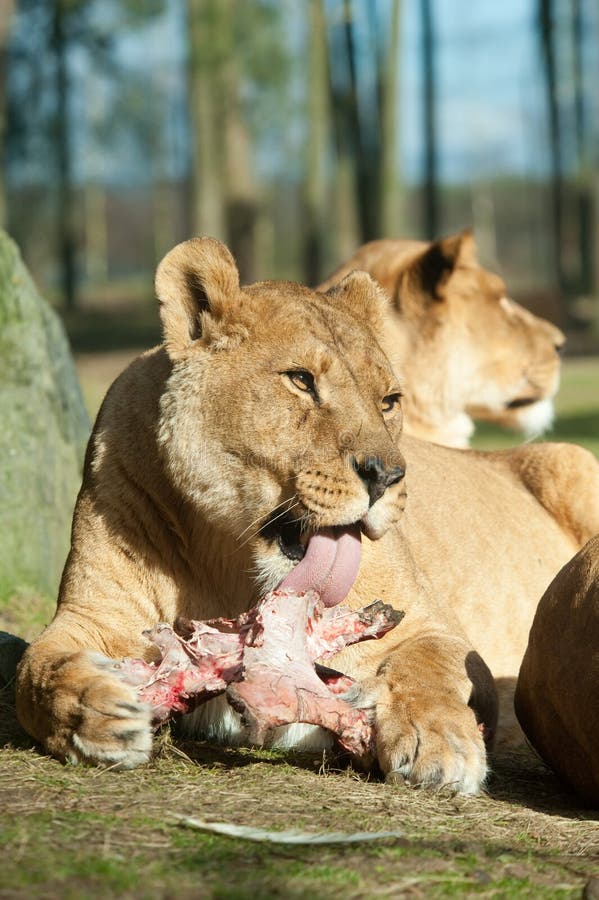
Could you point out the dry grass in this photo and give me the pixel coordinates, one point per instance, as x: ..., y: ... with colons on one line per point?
x: 87, y: 832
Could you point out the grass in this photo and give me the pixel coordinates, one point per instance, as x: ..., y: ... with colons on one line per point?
x: 75, y: 832
x: 25, y: 613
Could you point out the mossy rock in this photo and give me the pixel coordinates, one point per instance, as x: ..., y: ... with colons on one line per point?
x: 43, y: 434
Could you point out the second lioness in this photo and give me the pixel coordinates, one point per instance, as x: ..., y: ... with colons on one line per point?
x: 464, y: 350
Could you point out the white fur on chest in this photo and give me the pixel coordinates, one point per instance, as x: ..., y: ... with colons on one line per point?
x: 217, y: 721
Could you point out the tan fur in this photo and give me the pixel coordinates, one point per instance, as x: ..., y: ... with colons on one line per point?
x: 204, y: 440
x: 557, y: 697
x: 464, y: 350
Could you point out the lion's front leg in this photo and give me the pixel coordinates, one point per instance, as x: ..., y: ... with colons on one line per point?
x: 427, y: 733
x: 75, y: 703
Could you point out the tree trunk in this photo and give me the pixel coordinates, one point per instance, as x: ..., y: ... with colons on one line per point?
x: 431, y: 206
x: 206, y: 213
x: 365, y: 146
x: 6, y: 14
x: 67, y: 226
x: 96, y: 233
x: 546, y: 34
x: 584, y: 199
x: 315, y: 186
x: 240, y: 191
x: 347, y: 228
x: 391, y: 215
x: 594, y: 244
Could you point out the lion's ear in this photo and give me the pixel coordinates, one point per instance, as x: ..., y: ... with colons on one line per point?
x: 460, y: 248
x: 362, y: 296
x: 196, y: 282
x: 425, y: 279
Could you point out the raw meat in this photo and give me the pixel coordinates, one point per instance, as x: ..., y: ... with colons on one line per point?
x: 265, y: 663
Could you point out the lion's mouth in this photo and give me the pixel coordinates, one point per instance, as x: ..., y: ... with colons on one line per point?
x: 288, y: 533
x: 327, y: 560
x: 520, y: 402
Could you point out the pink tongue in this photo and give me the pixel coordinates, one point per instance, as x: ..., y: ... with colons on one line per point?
x: 330, y: 565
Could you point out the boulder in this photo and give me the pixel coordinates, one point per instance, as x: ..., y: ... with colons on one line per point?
x: 43, y: 434
x: 12, y: 649
x: 557, y: 695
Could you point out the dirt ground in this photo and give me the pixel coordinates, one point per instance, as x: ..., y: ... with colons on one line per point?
x: 82, y: 832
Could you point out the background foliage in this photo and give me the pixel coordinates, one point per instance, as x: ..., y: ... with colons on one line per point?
x: 296, y: 131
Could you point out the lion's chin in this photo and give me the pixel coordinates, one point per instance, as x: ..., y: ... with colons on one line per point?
x: 535, y: 419
x: 270, y: 568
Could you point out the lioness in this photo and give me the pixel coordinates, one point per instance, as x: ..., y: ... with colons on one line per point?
x: 557, y: 697
x: 270, y: 419
x: 464, y: 349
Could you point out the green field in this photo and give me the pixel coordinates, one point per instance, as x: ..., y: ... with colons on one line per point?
x: 75, y: 832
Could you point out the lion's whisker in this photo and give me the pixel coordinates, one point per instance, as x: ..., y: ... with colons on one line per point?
x: 257, y: 531
x: 257, y: 519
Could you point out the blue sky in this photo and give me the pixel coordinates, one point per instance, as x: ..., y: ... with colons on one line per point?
x: 490, y: 101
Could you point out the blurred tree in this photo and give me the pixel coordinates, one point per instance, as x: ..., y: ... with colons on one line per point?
x: 52, y: 33
x: 317, y: 145
x: 64, y: 13
x: 545, y: 23
x: 241, y: 193
x: 206, y: 51
x: 96, y: 225
x: 363, y: 62
x: 6, y: 16
x: 236, y: 52
x: 358, y: 131
x: 139, y: 125
x: 583, y: 188
x: 391, y: 212
x: 348, y: 227
x: 429, y: 85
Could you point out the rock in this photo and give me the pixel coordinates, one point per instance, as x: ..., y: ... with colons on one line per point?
x: 12, y: 649
x: 43, y: 435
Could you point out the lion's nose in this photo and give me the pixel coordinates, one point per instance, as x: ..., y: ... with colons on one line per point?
x: 376, y: 477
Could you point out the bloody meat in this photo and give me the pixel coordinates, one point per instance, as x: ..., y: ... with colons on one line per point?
x: 265, y: 662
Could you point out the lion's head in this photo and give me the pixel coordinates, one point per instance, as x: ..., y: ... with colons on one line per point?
x: 464, y: 349
x: 281, y: 416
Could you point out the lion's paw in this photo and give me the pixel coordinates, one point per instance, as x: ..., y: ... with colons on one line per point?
x: 428, y: 741
x: 103, y: 721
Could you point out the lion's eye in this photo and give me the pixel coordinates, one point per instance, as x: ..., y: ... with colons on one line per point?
x: 303, y: 380
x: 391, y: 402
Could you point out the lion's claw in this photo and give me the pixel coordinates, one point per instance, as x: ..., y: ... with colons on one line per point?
x: 109, y: 725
